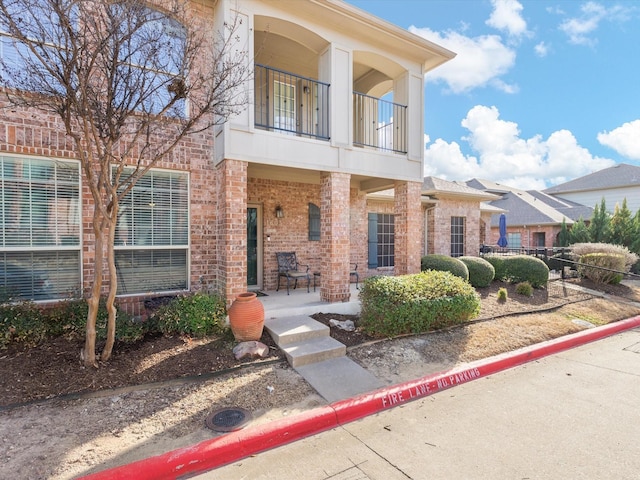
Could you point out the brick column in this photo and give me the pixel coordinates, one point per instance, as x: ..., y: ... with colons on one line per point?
x: 408, y: 215
x: 231, y: 223
x: 335, y: 237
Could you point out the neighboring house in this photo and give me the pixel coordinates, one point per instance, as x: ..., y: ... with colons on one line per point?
x: 534, y: 219
x: 614, y: 184
x: 454, y: 221
x: 290, y: 173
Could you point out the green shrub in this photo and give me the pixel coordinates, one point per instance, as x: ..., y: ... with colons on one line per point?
x: 523, y: 268
x: 416, y: 303
x: 30, y: 324
x: 524, y: 288
x: 69, y: 319
x: 443, y: 263
x: 197, y: 315
x: 499, y: 267
x: 481, y: 272
x: 611, y: 261
x: 502, y: 294
x: 21, y: 323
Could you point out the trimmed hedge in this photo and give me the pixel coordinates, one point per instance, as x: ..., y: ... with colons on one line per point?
x: 520, y: 268
x: 481, y: 272
x: 416, y: 303
x: 523, y: 268
x: 499, y: 266
x: 444, y: 263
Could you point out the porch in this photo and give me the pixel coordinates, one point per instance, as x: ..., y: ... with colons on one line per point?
x: 299, y: 302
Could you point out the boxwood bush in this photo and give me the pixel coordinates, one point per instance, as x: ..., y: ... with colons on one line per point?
x: 416, y: 303
x: 499, y: 267
x: 481, y: 272
x: 443, y: 263
x: 519, y: 268
x: 198, y: 315
x: 523, y: 268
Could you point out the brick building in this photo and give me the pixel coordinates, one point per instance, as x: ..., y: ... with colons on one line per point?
x: 335, y: 115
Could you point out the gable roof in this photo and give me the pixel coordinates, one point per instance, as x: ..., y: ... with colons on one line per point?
x: 618, y: 176
x: 533, y: 207
x: 434, y: 186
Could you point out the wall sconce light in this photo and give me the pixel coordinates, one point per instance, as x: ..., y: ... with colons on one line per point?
x: 306, y: 90
x: 279, y: 212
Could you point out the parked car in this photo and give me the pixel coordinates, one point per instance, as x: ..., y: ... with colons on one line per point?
x: 18, y: 282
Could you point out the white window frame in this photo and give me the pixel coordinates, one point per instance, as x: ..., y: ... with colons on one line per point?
x: 142, y: 245
x: 41, y: 230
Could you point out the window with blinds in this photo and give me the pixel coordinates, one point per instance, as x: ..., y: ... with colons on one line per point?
x: 39, y: 229
x: 152, y: 235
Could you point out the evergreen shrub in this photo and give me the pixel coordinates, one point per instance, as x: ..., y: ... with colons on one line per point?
x: 444, y: 263
x: 197, y: 315
x: 481, y: 272
x: 416, y: 303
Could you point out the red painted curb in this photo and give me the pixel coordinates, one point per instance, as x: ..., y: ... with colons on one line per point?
x: 243, y: 443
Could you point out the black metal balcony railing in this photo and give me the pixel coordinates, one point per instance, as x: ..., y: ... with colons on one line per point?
x: 290, y: 103
x: 379, y: 123
x: 298, y: 105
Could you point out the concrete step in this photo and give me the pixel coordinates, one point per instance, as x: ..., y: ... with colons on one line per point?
x: 295, y: 329
x: 313, y: 350
x: 339, y: 378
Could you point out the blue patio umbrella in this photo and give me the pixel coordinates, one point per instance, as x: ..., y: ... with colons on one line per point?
x: 502, y: 241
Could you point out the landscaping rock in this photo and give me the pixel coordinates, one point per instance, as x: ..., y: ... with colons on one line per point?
x: 346, y: 325
x: 251, y: 349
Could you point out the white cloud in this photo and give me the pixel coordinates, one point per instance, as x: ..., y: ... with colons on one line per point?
x: 480, y: 61
x: 579, y: 29
x: 506, y: 16
x: 541, y: 49
x: 504, y: 157
x: 625, y: 139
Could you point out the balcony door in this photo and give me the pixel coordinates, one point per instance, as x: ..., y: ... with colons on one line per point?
x: 284, y: 107
x: 254, y: 247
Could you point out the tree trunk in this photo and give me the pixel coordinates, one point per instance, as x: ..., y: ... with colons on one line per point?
x: 89, y: 351
x: 113, y: 285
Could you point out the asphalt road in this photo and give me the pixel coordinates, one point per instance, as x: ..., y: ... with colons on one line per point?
x: 572, y: 415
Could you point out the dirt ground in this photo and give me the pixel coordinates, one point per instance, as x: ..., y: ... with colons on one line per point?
x: 59, y: 420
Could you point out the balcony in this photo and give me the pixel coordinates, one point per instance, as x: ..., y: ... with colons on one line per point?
x: 379, y: 123
x: 297, y: 105
x: 291, y: 104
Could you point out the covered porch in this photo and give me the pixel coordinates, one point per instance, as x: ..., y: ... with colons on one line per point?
x: 324, y: 217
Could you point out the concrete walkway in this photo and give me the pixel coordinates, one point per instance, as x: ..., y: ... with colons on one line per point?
x: 320, y: 359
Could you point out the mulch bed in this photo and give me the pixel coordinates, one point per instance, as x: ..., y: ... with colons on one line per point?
x: 54, y: 368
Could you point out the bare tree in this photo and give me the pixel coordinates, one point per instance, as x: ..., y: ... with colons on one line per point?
x: 129, y: 81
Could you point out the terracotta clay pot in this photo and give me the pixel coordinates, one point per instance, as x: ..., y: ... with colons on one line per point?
x: 246, y: 317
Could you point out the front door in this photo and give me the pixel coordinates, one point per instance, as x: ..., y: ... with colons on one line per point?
x: 254, y: 247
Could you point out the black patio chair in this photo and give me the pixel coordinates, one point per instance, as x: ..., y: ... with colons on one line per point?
x: 289, y: 268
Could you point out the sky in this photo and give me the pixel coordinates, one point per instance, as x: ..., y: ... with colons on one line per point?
x: 539, y: 93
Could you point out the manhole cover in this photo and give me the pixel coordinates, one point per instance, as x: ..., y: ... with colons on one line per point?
x: 228, y: 419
